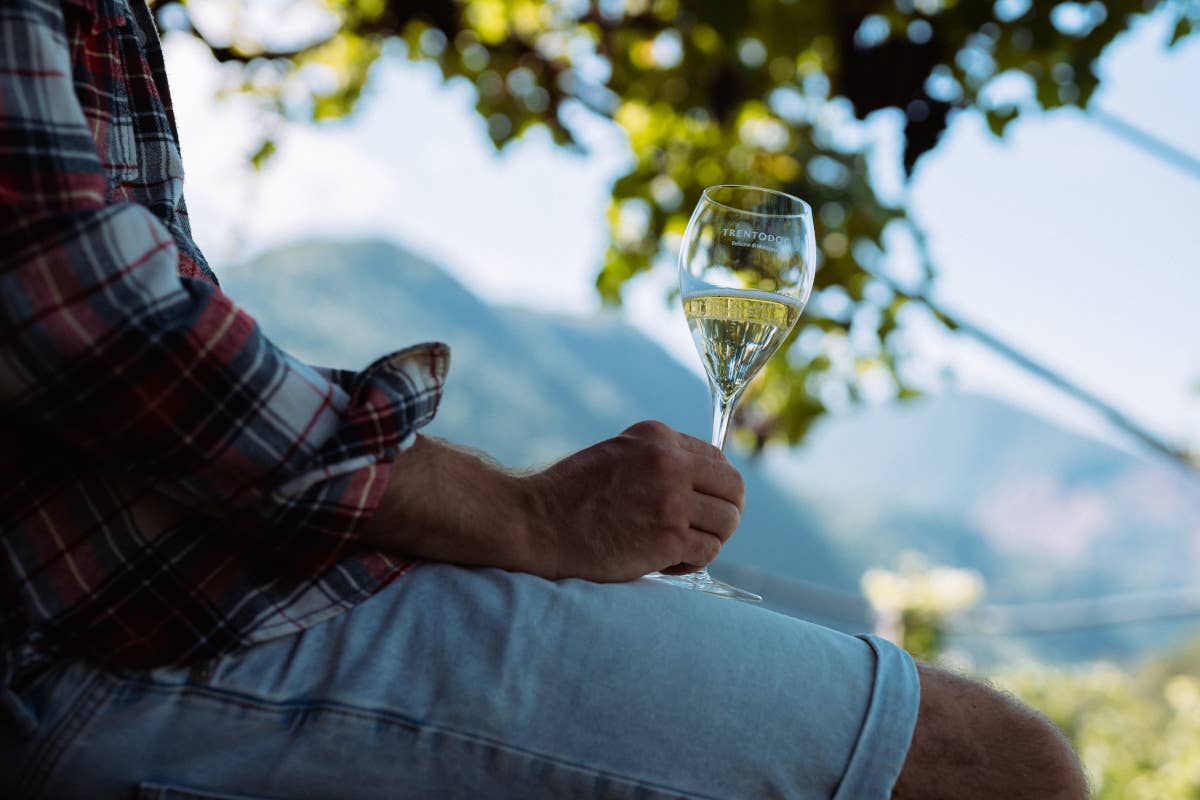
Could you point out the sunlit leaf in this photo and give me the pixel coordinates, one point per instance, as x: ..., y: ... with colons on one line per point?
x: 1183, y: 28
x: 259, y: 157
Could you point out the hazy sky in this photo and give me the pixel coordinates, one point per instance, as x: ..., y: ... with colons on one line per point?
x: 1062, y: 239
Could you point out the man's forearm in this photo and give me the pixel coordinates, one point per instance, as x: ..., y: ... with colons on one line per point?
x: 447, y: 504
x: 648, y: 499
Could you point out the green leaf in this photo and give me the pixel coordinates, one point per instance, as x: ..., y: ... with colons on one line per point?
x: 264, y: 152
x: 1184, y: 27
x: 944, y: 318
x: 999, y: 118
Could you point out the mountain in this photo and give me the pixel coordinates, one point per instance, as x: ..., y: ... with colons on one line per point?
x: 1043, y: 513
x: 1028, y: 492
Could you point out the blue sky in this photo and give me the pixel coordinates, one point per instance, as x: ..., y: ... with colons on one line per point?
x: 1062, y: 239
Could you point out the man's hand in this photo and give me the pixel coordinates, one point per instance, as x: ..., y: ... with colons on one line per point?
x: 649, y: 499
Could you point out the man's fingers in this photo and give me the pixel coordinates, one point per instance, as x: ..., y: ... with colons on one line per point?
x: 714, y: 516
x: 712, y: 472
x: 700, y: 447
x: 719, y: 479
x: 701, y: 550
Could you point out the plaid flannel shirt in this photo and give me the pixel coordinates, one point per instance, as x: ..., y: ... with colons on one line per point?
x: 172, y: 485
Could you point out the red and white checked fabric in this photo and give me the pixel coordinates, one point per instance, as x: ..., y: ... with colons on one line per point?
x: 172, y: 485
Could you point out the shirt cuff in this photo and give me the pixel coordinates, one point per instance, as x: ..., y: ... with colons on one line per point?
x: 390, y: 401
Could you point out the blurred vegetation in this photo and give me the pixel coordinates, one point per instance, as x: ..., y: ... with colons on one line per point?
x: 765, y: 92
x: 913, y: 602
x: 1136, y: 730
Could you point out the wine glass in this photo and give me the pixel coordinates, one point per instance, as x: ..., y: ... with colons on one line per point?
x: 746, y: 269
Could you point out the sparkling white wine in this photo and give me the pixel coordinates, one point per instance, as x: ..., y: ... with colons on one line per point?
x: 737, y: 331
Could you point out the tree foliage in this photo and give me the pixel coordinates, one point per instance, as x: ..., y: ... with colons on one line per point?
x: 765, y: 92
x: 1137, y: 731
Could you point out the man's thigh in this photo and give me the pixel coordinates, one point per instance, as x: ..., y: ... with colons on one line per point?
x: 481, y: 683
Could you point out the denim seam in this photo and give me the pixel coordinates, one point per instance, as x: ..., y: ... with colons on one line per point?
x: 90, y: 697
x: 245, y: 701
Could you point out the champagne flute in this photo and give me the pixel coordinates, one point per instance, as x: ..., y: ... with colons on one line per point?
x: 746, y: 269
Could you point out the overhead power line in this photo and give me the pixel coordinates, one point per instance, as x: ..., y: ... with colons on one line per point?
x: 1145, y: 141
x: 851, y: 611
x: 1153, y: 146
x: 1118, y: 418
x: 1088, y: 614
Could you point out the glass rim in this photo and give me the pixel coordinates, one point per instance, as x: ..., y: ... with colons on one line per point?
x: 805, y: 208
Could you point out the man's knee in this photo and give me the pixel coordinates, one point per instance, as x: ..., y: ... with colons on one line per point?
x: 974, y: 742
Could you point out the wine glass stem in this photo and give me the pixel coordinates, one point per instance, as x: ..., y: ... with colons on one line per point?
x: 722, y: 408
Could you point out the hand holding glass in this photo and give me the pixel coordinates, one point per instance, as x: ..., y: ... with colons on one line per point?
x: 746, y: 269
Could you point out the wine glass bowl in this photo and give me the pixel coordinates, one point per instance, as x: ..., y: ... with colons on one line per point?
x: 749, y: 238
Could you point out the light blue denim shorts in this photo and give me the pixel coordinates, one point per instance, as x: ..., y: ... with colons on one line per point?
x: 478, y: 683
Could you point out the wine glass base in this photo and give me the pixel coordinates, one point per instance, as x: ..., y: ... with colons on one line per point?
x: 703, y: 582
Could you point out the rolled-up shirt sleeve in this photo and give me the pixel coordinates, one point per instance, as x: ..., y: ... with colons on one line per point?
x: 104, y: 346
